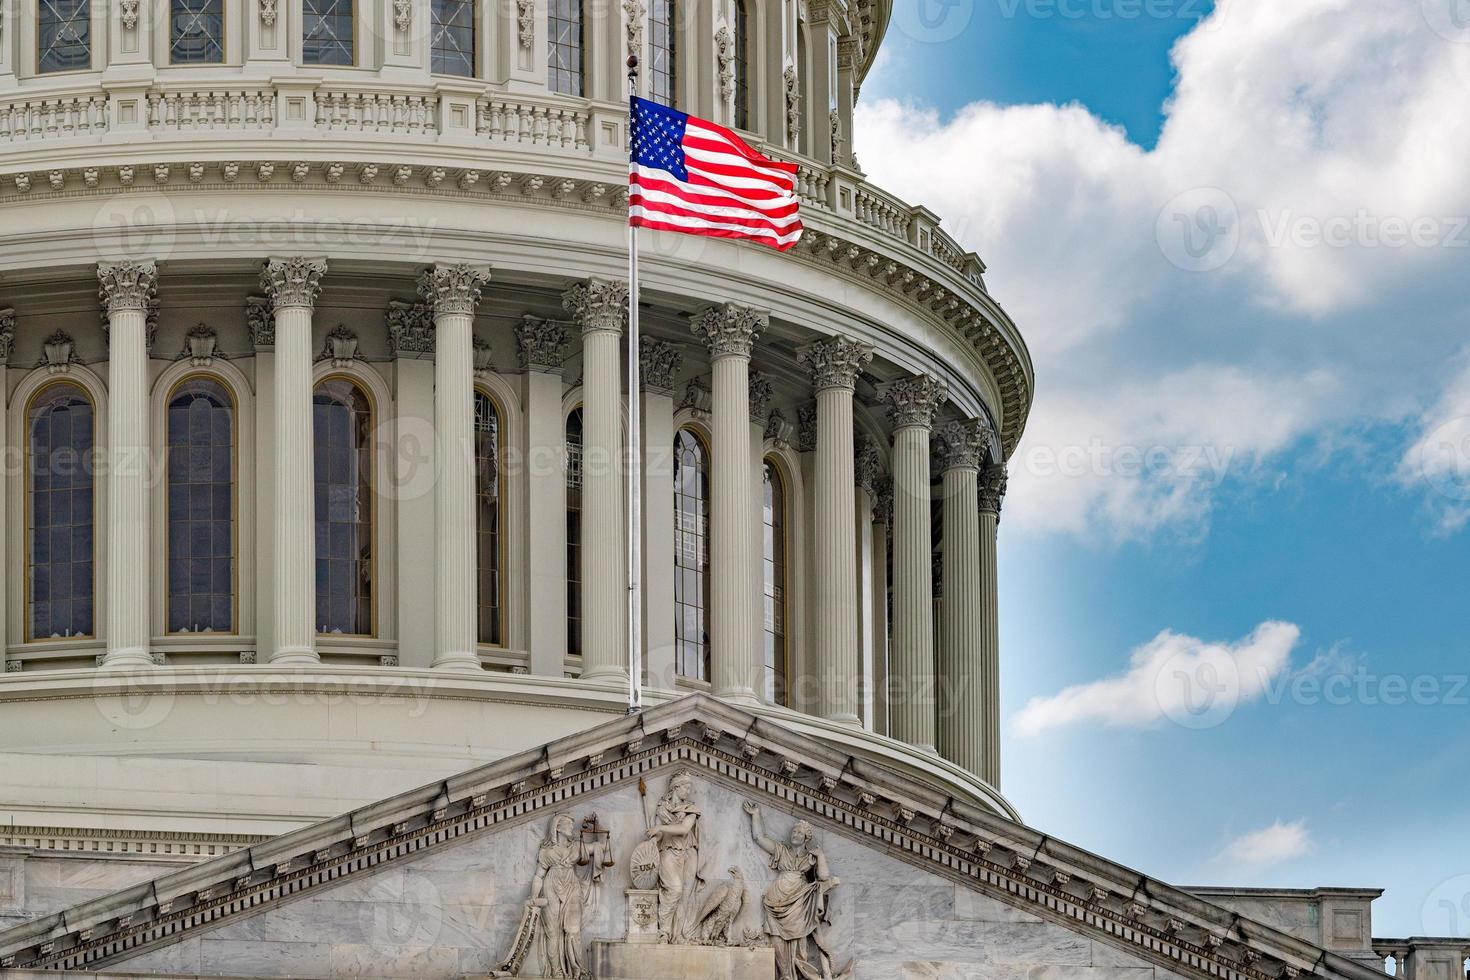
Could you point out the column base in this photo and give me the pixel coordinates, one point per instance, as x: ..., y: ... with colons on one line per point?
x: 743, y: 696
x: 295, y: 657
x: 135, y: 657
x: 458, y: 661
x: 851, y: 720
x: 606, y: 675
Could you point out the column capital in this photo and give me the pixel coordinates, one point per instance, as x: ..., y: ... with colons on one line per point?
x: 761, y: 390
x: 597, y: 304
x: 993, y: 480
x: 293, y: 282
x: 915, y: 401
x: 806, y: 429
x: 658, y: 362
x: 410, y: 328
x: 883, y: 500
x: 836, y: 362
x: 453, y: 289
x: 963, y: 443
x: 261, y: 319
x: 541, y: 344
x: 127, y: 285
x: 7, y: 334
x: 867, y: 464
x: 728, y: 329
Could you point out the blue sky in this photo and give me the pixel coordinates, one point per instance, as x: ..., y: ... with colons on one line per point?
x: 1235, y: 552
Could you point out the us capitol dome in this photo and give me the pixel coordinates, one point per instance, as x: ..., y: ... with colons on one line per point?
x: 313, y: 315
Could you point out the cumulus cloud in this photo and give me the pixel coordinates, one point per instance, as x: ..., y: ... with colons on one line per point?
x: 1228, y: 287
x: 1439, y: 459
x: 1173, y: 677
x: 1271, y: 845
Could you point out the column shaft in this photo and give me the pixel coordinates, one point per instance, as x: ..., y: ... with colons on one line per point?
x: 961, y: 670
x: 732, y: 635
x: 836, y: 553
x: 911, y: 700
x: 454, y: 497
x: 295, y: 579
x: 989, y: 617
x: 879, y: 608
x: 128, y: 631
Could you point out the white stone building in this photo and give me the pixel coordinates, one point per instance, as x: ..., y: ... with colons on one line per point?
x: 312, y: 317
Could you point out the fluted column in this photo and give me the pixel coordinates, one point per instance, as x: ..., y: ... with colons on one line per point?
x: 453, y: 292
x: 992, y: 493
x: 731, y: 331
x: 126, y: 290
x: 963, y: 711
x: 600, y: 307
x: 882, y: 517
x: 835, y: 362
x: 293, y: 285
x: 911, y: 703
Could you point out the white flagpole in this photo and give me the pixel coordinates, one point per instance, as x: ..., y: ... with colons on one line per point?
x: 635, y: 450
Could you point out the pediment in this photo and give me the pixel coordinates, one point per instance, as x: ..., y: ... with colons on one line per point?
x: 434, y: 882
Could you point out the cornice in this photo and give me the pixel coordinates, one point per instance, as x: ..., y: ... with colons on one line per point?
x: 905, y: 818
x: 838, y: 245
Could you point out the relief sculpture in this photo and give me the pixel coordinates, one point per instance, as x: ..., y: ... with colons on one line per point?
x: 796, y: 902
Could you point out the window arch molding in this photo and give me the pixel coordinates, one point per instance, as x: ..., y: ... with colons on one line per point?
x: 238, y: 386
x: 788, y: 463
x: 515, y: 626
x: 386, y: 426
x: 33, y: 384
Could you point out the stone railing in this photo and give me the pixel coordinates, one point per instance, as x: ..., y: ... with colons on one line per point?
x: 537, y: 124
x: 52, y: 117
x: 1424, y: 958
x: 211, y: 110
x: 339, y: 110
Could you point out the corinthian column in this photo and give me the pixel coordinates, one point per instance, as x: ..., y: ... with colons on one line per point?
x: 835, y: 364
x: 452, y: 293
x: 293, y: 285
x: 911, y: 680
x: 992, y: 492
x: 963, y: 711
x: 730, y: 331
x: 600, y: 307
x: 126, y: 290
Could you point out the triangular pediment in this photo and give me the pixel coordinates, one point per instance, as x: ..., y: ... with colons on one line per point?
x: 927, y: 885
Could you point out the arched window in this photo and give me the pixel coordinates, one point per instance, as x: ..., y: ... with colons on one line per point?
x: 574, y: 531
x: 60, y: 454
x: 488, y: 538
x: 663, y: 71
x: 452, y: 37
x: 342, y: 426
x: 196, y: 32
x: 566, y: 51
x: 201, y: 508
x: 742, y: 66
x: 64, y: 36
x: 328, y: 32
x: 774, y: 559
x: 691, y: 556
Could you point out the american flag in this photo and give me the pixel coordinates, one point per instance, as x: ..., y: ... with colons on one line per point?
x: 694, y: 176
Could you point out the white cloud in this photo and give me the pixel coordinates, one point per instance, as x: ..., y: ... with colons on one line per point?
x: 1439, y: 459
x: 1180, y: 678
x: 1275, y: 844
x: 1311, y: 169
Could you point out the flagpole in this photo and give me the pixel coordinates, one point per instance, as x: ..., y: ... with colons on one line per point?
x: 635, y: 451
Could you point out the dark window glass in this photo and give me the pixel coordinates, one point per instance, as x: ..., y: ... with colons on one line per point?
x: 773, y: 567
x: 61, y: 434
x: 565, y: 50
x: 691, y: 556
x: 64, y: 35
x: 663, y: 72
x: 452, y: 37
x: 574, y: 532
x: 742, y: 66
x: 328, y: 32
x: 201, y: 508
x: 342, y: 425
x: 196, y: 32
x: 491, y: 601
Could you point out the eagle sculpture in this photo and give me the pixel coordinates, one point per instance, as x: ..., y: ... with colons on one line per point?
x: 721, y: 910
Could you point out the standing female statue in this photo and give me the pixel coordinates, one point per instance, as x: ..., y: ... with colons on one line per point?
x: 564, y: 897
x: 675, y: 827
x: 796, y: 902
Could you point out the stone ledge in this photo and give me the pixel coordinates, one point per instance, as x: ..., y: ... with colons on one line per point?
x: 628, y: 961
